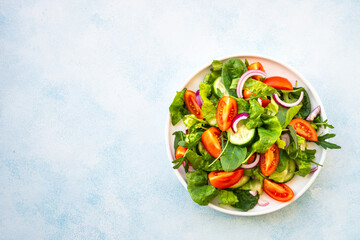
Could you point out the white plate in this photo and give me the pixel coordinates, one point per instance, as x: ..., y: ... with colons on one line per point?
x: 298, y: 184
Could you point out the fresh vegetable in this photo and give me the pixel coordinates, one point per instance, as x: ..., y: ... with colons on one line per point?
x: 256, y: 66
x: 278, y: 191
x: 285, y: 104
x: 244, y: 77
x: 211, y: 141
x: 304, y: 129
x: 227, y: 109
x: 191, y: 104
x: 236, y: 157
x: 222, y: 179
x: 270, y: 160
x: 278, y: 83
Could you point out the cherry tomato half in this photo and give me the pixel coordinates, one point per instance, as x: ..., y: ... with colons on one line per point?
x: 256, y: 66
x: 278, y: 191
x: 227, y: 109
x: 279, y: 83
x: 191, y: 104
x: 180, y: 152
x: 304, y: 129
x: 211, y: 141
x: 270, y: 160
x: 222, y: 179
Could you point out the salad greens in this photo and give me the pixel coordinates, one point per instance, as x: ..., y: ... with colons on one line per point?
x: 263, y: 124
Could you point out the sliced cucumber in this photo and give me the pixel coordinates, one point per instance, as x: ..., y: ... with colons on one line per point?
x: 285, y: 175
x: 243, y: 136
x: 244, y: 179
x: 219, y: 88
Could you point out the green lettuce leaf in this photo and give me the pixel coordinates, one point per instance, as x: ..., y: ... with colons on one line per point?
x: 227, y: 197
x: 260, y: 89
x: 233, y: 68
x: 254, y: 119
x: 268, y: 133
x: 272, y: 108
x: 178, y: 108
x: 208, y: 108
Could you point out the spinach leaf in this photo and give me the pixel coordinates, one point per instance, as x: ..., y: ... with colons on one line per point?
x: 317, y: 123
x: 232, y: 157
x: 283, y: 162
x: 285, y: 115
x: 179, y: 136
x: 254, y: 119
x: 293, y: 149
x: 268, y: 133
x: 325, y: 144
x: 178, y: 108
x: 200, y: 192
x: 233, y: 68
x: 259, y: 88
x: 227, y: 197
x: 208, y: 109
x: 243, y: 105
x: 246, y: 200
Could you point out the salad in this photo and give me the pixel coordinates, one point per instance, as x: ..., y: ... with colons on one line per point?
x: 246, y: 133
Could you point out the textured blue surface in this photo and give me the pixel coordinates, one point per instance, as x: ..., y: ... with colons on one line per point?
x: 84, y: 93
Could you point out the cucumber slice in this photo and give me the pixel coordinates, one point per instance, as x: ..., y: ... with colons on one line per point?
x: 219, y: 88
x: 243, y: 136
x: 244, y: 179
x: 285, y: 175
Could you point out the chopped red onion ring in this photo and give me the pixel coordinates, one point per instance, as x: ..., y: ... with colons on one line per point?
x: 316, y: 111
x: 236, y: 119
x: 253, y: 164
x: 288, y: 105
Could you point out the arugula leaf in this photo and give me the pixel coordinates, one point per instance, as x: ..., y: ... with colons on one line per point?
x: 179, y: 136
x: 285, y: 115
x: 246, y: 62
x: 178, y: 162
x: 232, y: 157
x: 321, y: 142
x: 317, y: 123
x: 246, y: 200
x: 233, y: 68
x: 227, y: 197
x: 178, y: 108
x: 259, y: 88
x: 208, y: 109
x: 268, y: 133
x: 200, y: 192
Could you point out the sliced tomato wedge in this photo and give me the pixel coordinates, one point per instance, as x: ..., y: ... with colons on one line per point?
x: 256, y: 66
x: 270, y: 160
x: 278, y: 191
x: 211, y: 141
x: 191, y: 104
x: 222, y: 179
x: 227, y: 109
x: 304, y: 129
x: 279, y: 83
x: 180, y: 152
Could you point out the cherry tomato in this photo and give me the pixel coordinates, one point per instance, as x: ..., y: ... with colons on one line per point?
x: 279, y: 83
x: 191, y: 104
x: 270, y: 160
x: 247, y: 94
x: 251, y: 159
x: 180, y: 152
x: 222, y: 179
x: 211, y: 141
x: 278, y: 191
x: 256, y: 66
x: 304, y: 129
x: 227, y: 109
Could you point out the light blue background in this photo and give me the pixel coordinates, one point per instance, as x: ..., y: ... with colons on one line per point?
x: 84, y: 93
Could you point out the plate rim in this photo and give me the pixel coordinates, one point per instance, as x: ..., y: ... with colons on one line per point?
x: 308, y: 184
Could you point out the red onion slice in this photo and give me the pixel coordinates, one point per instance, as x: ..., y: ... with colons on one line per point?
x: 243, y: 79
x: 198, y: 98
x: 316, y: 111
x: 254, y: 193
x: 286, y: 138
x: 236, y: 120
x: 263, y: 203
x: 253, y: 164
x: 288, y: 105
x: 313, y: 169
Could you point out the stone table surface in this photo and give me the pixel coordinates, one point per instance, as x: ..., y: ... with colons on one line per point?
x: 84, y: 93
